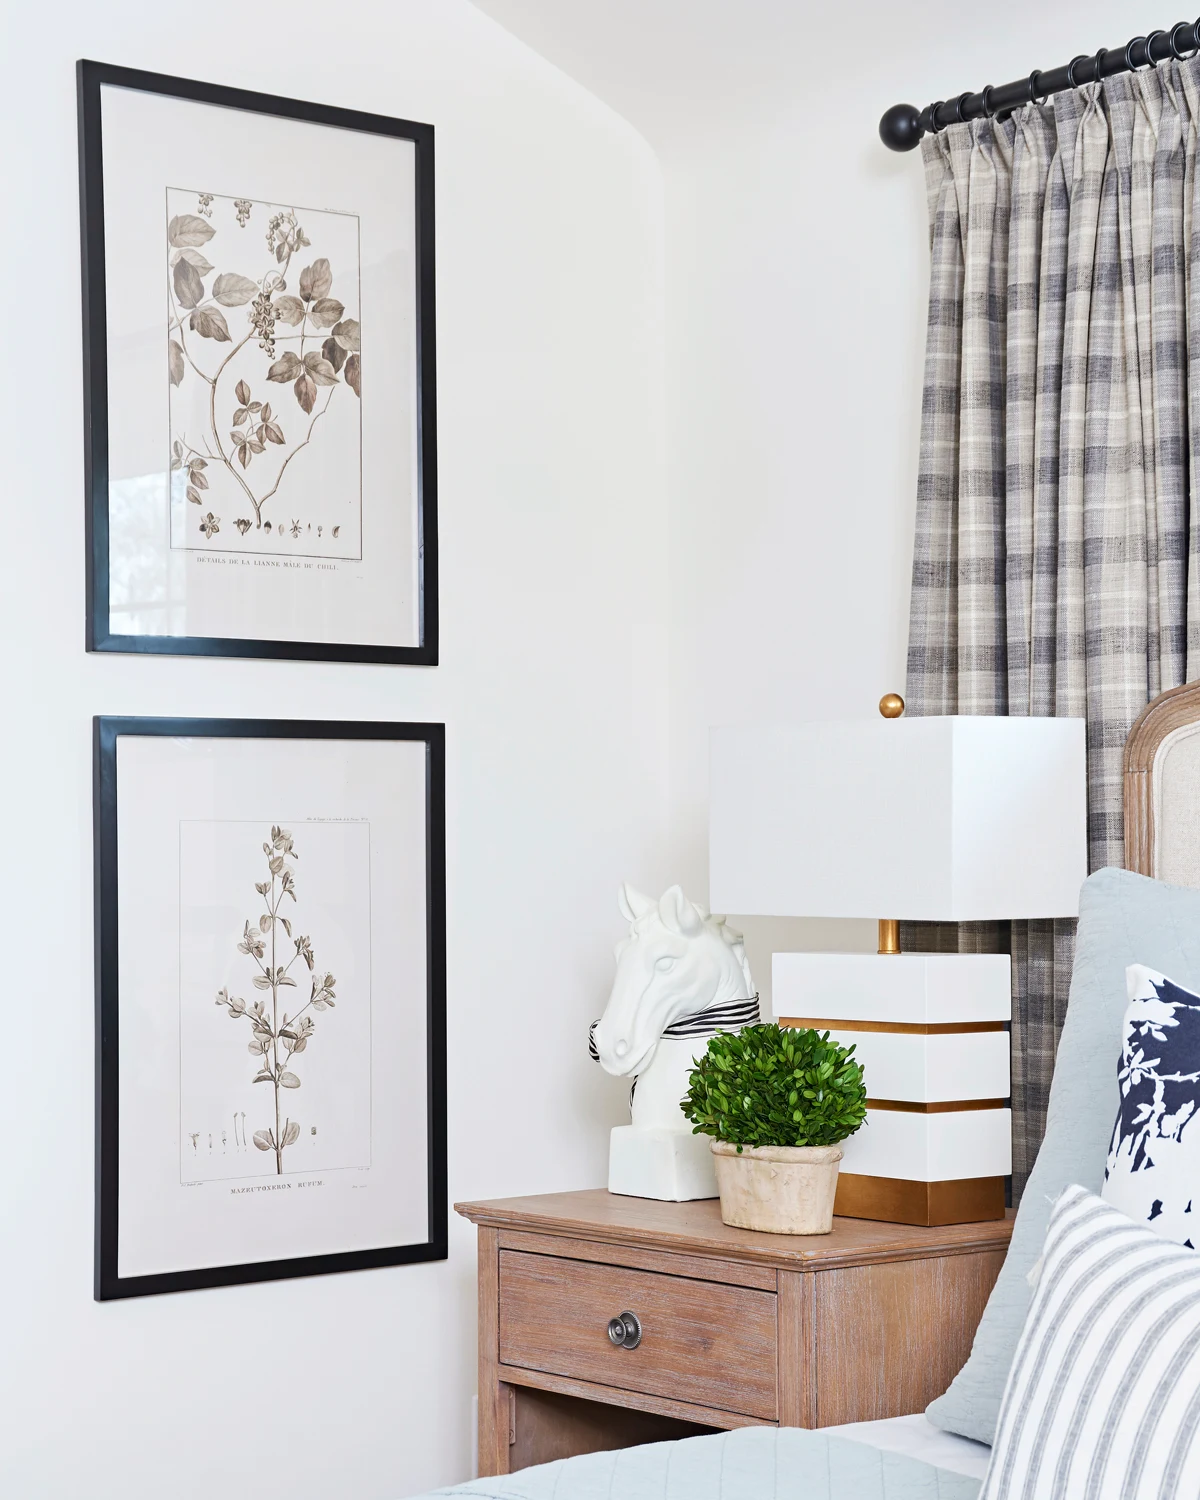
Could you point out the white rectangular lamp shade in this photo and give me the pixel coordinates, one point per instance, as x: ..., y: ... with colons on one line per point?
x: 931, y: 819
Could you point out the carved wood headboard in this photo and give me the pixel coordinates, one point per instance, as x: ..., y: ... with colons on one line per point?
x: 1162, y: 788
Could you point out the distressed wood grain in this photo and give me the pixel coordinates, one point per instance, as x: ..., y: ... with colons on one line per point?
x: 667, y: 1263
x: 739, y: 1328
x: 889, y: 1338
x: 796, y: 1370
x: 696, y: 1228
x: 702, y: 1344
x: 1161, y: 717
x: 494, y: 1398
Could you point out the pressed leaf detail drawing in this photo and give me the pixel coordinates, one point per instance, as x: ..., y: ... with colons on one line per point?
x: 287, y: 312
x: 277, y: 1039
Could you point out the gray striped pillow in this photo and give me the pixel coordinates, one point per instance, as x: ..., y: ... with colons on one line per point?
x: 1103, y: 1398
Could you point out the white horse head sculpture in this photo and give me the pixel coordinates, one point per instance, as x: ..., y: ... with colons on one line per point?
x: 679, y: 971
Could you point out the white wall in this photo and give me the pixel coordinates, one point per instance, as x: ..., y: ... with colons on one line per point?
x: 554, y: 640
x: 795, y: 282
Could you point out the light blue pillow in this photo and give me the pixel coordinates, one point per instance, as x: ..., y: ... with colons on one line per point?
x: 1123, y: 919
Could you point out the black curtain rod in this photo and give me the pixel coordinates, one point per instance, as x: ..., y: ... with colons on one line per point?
x: 902, y: 126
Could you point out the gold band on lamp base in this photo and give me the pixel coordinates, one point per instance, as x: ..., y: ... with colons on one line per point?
x: 897, y: 1200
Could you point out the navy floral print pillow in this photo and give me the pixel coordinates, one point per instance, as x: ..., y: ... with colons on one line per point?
x: 1153, y: 1168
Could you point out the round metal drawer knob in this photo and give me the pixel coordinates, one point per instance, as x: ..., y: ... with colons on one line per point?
x: 625, y: 1331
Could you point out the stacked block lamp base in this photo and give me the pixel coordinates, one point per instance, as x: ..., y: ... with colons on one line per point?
x: 931, y: 1031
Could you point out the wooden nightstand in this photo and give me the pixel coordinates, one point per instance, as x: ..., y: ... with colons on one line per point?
x: 730, y: 1328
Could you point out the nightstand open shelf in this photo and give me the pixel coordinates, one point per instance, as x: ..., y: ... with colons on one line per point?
x: 734, y: 1327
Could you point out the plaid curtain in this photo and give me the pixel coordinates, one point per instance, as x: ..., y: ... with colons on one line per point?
x: 1054, y: 568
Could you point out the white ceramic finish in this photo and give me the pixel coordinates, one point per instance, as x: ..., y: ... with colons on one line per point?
x: 677, y: 961
x: 931, y: 1069
x: 778, y: 1189
x: 925, y: 989
x: 652, y: 1162
x: 942, y: 819
x: 932, y: 1148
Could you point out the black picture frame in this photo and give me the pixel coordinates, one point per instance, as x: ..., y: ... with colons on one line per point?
x: 109, y: 1285
x: 91, y: 78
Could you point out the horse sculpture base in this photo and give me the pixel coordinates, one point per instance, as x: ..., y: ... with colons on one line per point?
x: 656, y: 1162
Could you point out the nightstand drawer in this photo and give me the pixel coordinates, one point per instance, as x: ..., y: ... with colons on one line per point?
x: 701, y: 1342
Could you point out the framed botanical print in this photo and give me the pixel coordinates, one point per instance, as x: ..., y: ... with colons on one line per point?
x: 270, y: 1000
x: 261, y: 457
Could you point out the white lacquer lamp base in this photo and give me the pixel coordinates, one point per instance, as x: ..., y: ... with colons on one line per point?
x: 931, y: 1033
x: 672, y: 1165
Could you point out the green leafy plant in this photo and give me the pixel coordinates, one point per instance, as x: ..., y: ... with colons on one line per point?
x: 776, y: 1086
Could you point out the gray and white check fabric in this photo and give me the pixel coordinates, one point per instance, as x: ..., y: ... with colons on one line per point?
x: 1103, y: 1398
x: 1056, y: 565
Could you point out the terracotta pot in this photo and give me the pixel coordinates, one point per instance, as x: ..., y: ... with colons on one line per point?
x: 780, y: 1189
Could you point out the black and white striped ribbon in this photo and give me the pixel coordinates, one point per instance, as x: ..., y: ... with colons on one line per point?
x: 728, y: 1016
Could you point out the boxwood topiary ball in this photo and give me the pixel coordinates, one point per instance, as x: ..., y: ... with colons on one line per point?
x: 773, y: 1085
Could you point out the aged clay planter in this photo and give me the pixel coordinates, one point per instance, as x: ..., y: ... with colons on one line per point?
x: 781, y: 1189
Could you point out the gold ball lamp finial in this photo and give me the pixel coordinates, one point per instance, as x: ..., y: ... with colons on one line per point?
x: 891, y: 705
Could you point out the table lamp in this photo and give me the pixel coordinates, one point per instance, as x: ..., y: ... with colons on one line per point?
x: 951, y: 819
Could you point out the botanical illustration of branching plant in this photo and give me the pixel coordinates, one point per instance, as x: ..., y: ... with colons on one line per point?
x: 277, y: 1039
x: 306, y: 345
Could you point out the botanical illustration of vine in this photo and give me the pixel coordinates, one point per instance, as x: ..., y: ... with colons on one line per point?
x: 277, y: 1039
x: 305, y: 340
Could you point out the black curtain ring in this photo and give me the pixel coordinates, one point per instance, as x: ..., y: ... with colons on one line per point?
x: 1150, y: 43
x: 1097, y: 60
x: 1130, y: 65
x: 986, y: 95
x: 1083, y: 57
x: 933, y: 109
x: 1177, y: 51
x: 1035, y: 79
x: 958, y: 106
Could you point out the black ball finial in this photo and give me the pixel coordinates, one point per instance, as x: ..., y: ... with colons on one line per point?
x: 900, y: 127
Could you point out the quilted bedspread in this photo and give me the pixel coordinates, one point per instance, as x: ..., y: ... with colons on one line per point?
x: 752, y: 1463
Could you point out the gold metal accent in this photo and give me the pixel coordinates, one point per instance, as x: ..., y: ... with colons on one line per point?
x: 897, y: 1200
x: 905, y: 1028
x: 938, y: 1107
x: 891, y: 706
